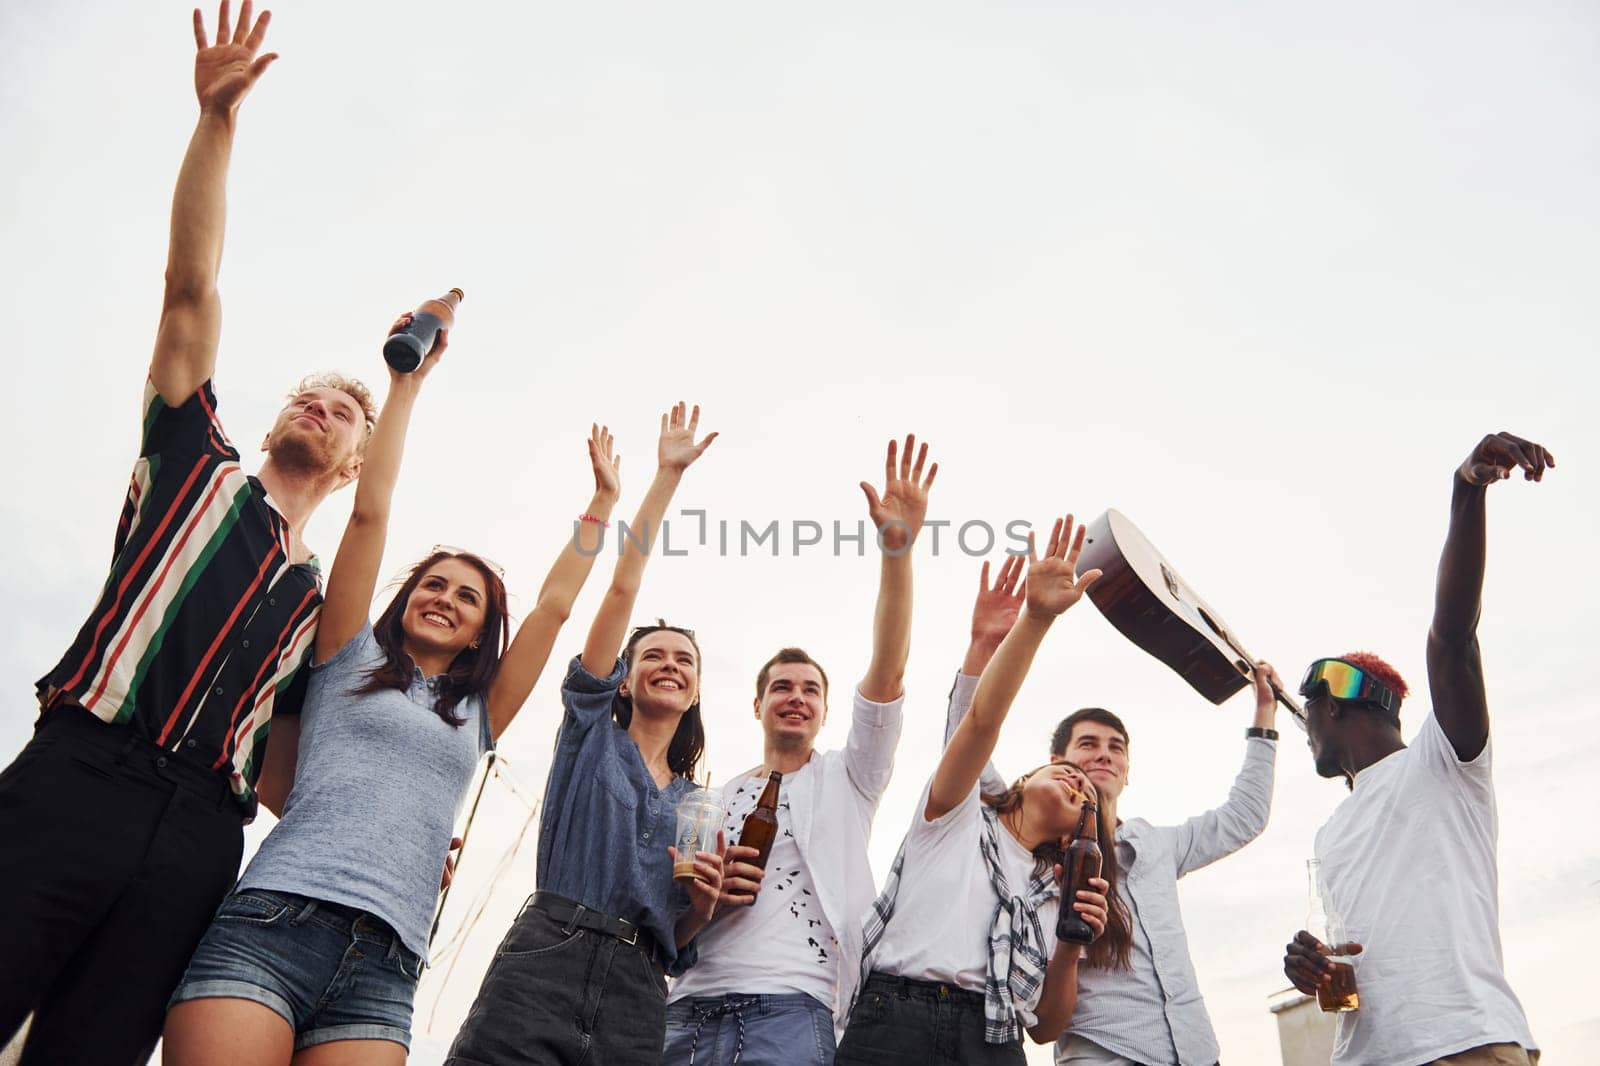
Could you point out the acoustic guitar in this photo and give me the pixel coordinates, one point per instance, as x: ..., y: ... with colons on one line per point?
x: 1141, y: 594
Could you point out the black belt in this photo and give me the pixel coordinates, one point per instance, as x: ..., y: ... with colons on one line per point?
x: 574, y: 915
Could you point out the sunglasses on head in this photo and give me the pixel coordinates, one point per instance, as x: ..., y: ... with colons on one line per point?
x: 1345, y: 681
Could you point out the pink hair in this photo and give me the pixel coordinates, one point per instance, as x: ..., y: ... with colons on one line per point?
x: 1379, y: 670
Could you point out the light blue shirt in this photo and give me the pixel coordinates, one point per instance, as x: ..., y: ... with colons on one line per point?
x: 606, y: 827
x: 1152, y: 1012
x: 377, y: 788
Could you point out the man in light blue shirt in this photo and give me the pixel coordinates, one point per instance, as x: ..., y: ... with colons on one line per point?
x: 1149, y: 1013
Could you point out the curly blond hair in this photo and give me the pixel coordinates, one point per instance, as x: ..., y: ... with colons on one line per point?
x: 352, y: 388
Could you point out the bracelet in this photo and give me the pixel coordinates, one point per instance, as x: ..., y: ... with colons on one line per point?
x: 1264, y: 734
x: 596, y: 519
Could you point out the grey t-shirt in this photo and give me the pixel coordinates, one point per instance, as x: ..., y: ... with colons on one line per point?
x: 379, y: 783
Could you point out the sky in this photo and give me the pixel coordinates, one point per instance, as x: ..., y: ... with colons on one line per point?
x: 1257, y: 276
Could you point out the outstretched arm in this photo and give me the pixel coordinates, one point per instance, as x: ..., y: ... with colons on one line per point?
x: 1455, y: 668
x: 897, y: 515
x: 525, y: 659
x: 1053, y: 585
x: 675, y: 450
x: 191, y: 310
x: 355, y: 568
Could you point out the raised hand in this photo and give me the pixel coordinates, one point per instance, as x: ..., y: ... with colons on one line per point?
x: 607, y: 465
x: 1267, y: 685
x: 899, y: 512
x: 677, y: 448
x: 995, y: 610
x: 441, y: 341
x: 1500, y: 453
x: 225, y: 70
x: 1053, y: 583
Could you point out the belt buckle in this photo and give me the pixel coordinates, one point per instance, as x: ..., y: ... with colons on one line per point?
x: 633, y: 933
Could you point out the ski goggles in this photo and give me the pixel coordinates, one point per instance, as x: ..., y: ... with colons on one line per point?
x: 1345, y: 681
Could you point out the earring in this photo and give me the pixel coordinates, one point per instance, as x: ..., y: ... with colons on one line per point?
x: 475, y: 643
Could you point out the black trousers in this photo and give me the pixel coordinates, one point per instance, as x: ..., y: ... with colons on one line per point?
x: 900, y: 1022
x: 559, y: 997
x: 119, y: 853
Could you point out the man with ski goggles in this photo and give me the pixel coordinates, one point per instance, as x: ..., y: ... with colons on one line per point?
x: 1409, y: 858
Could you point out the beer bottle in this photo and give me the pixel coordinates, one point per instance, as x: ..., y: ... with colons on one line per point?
x: 761, y: 827
x: 1083, y: 862
x: 408, y: 346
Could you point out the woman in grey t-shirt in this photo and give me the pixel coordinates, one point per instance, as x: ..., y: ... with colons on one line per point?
x: 323, y: 939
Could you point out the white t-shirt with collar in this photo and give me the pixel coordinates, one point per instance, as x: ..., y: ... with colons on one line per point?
x: 1409, y: 860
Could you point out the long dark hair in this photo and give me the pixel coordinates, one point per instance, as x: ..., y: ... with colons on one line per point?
x: 471, y: 670
x: 689, y: 739
x: 1112, y: 947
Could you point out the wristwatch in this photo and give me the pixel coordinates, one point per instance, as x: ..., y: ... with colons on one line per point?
x: 1264, y: 734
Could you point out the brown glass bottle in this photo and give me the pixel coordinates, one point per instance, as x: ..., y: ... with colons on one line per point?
x: 1082, y: 862
x: 408, y: 346
x: 761, y: 827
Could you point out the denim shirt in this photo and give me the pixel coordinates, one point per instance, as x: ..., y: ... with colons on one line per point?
x: 605, y: 829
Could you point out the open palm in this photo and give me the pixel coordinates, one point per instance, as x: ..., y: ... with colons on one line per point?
x: 898, y: 514
x: 677, y: 447
x: 224, y: 70
x: 606, y: 463
x: 1054, y: 583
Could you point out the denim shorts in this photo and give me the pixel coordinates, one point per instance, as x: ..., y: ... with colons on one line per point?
x: 333, y: 972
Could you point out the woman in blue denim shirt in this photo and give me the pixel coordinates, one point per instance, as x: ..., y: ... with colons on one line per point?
x: 321, y: 943
x: 581, y: 976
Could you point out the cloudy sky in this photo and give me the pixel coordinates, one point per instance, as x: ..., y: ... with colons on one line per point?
x: 1258, y: 276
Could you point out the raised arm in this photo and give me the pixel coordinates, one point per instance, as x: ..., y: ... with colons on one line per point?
x: 675, y: 450
x: 191, y: 310
x: 1053, y: 585
x: 354, y: 575
x: 1455, y: 668
x: 525, y: 660
x: 897, y: 515
x: 993, y: 614
x: 1221, y: 831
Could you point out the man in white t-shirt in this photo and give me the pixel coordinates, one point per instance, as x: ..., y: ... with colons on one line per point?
x: 1408, y: 860
x: 1146, y: 1009
x: 778, y: 966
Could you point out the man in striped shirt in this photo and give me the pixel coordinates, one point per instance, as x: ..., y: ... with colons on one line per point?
x: 124, y: 814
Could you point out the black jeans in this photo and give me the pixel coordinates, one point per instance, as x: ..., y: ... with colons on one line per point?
x: 900, y: 1022
x: 120, y: 853
x: 579, y: 998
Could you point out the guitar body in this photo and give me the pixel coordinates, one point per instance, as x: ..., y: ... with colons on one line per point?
x: 1141, y: 594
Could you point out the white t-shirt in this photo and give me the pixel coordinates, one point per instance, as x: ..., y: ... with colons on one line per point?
x: 940, y: 927
x: 780, y: 944
x: 1409, y: 861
